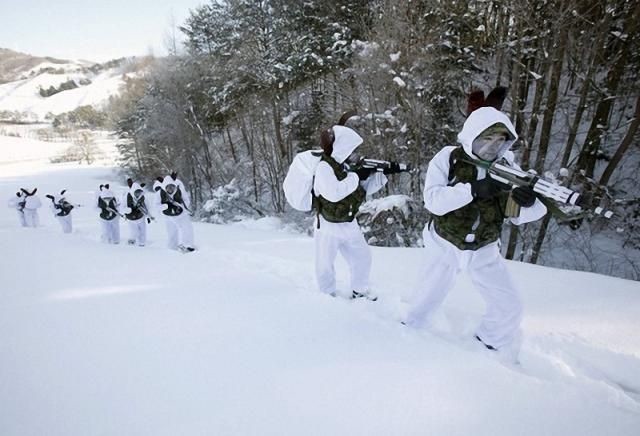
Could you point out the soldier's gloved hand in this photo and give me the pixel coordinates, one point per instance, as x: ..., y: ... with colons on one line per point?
x: 394, y: 168
x: 364, y: 173
x: 524, y: 196
x: 486, y: 188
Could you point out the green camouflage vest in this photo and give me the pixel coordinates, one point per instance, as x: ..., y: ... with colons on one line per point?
x: 482, y: 218
x: 345, y: 210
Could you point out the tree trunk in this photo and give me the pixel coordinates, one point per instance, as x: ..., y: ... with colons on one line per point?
x: 535, y: 110
x: 540, y: 239
x: 514, y: 233
x: 552, y: 100
x: 586, y: 86
x: 624, y: 145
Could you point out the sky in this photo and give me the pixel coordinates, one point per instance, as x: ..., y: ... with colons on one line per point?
x: 96, y: 30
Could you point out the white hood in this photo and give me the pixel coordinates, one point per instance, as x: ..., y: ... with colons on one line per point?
x: 168, y: 180
x: 106, y: 193
x: 60, y: 197
x: 480, y: 120
x: 134, y: 187
x: 345, y: 142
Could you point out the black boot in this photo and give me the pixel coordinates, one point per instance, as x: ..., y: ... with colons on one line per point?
x: 355, y: 294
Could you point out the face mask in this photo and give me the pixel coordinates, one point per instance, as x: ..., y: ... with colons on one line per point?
x: 488, y: 146
x: 138, y: 193
x: 171, y: 189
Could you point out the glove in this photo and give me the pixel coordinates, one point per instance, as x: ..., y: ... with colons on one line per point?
x: 524, y: 196
x: 364, y: 173
x: 148, y: 220
x: 486, y: 188
x: 394, y: 168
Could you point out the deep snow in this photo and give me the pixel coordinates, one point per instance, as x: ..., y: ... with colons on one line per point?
x: 235, y: 340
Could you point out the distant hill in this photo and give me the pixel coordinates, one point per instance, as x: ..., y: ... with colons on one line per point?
x: 14, y: 65
x: 39, y: 86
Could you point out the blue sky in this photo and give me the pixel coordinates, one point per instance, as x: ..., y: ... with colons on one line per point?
x: 95, y: 30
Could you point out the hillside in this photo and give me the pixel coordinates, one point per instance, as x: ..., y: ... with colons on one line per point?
x: 15, y: 65
x: 234, y: 339
x: 37, y: 86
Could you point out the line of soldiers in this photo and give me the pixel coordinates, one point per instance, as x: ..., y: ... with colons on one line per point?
x: 170, y: 198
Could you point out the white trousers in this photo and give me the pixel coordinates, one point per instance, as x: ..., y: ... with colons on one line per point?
x: 179, y: 230
x: 347, y: 239
x: 31, y: 217
x: 110, y: 231
x: 21, y: 218
x: 500, y: 325
x: 66, y: 223
x: 138, y: 231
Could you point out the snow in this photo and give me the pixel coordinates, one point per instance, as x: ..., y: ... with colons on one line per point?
x: 235, y: 339
x: 398, y: 81
x: 23, y: 95
x: 374, y: 207
x: 535, y: 75
x: 13, y: 149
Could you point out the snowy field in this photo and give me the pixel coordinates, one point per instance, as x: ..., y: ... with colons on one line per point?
x: 235, y: 340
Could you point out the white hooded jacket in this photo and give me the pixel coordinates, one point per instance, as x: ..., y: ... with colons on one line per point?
x: 327, y: 185
x: 440, y: 199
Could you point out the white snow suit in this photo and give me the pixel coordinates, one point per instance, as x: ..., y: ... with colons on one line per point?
x: 500, y: 325
x: 174, y: 210
x: 136, y: 212
x: 343, y: 237
x: 17, y: 203
x: 60, y: 208
x: 31, y: 206
x: 109, y: 219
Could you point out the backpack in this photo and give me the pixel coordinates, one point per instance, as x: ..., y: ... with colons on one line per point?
x: 298, y: 184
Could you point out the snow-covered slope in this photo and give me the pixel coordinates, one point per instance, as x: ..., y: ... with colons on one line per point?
x: 95, y: 85
x: 23, y: 95
x: 235, y: 340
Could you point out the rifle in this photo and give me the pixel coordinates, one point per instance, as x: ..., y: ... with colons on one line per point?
x: 140, y: 205
x: 388, y: 167
x: 548, y: 191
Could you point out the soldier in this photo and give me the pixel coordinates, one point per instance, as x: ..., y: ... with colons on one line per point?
x: 17, y: 203
x: 137, y: 214
x: 108, y: 206
x: 468, y: 209
x: 175, y: 204
x: 338, y: 196
x: 62, y: 211
x: 31, y: 205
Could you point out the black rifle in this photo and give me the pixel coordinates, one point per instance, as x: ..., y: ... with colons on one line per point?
x: 387, y: 167
x: 546, y: 189
x: 143, y: 207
